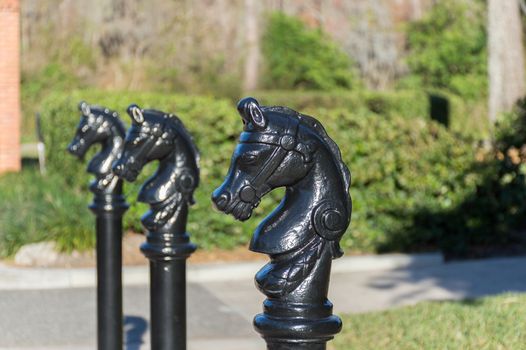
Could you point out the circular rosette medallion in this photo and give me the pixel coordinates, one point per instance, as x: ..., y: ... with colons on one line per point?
x: 330, y: 220
x: 185, y: 181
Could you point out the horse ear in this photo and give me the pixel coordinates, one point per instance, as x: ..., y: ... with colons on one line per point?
x: 250, y: 112
x: 84, y: 108
x: 135, y: 113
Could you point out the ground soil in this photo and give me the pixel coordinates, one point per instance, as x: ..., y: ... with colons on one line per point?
x: 132, y: 256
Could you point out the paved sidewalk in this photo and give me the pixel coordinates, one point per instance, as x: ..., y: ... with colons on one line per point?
x: 12, y: 278
x: 220, y: 309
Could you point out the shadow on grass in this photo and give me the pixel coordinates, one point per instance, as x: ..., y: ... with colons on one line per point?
x: 470, y: 302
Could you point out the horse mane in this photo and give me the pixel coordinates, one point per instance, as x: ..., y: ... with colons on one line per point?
x: 313, y: 124
x: 189, y: 141
x: 112, y: 116
x: 99, y: 110
x: 184, y: 134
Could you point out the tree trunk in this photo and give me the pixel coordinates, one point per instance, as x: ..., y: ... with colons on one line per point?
x: 506, y: 56
x: 250, y: 81
x: 416, y: 6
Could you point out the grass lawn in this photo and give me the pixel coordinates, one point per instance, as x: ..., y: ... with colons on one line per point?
x: 488, y: 323
x: 36, y: 208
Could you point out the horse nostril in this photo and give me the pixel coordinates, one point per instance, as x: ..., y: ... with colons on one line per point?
x: 221, y: 201
x: 118, y: 169
x: 72, y: 148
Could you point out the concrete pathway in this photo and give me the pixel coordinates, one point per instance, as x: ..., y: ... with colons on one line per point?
x: 221, y: 306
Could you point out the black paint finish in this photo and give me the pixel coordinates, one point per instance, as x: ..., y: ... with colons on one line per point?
x: 99, y: 125
x: 155, y: 135
x: 280, y: 147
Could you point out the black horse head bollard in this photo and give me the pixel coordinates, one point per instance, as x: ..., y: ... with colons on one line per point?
x: 282, y: 148
x: 99, y: 125
x: 155, y: 135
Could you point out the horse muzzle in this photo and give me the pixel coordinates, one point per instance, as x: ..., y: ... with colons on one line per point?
x: 126, y: 172
x: 77, y: 149
x: 220, y: 200
x: 239, y: 209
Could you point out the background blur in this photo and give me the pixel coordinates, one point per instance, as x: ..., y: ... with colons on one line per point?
x: 419, y: 95
x: 425, y: 99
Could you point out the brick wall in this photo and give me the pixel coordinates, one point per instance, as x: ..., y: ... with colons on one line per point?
x: 9, y: 85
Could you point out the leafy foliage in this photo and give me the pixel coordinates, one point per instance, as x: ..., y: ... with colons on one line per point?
x: 60, y: 116
x: 467, y: 118
x: 488, y: 218
x: 299, y: 57
x: 35, y: 208
x: 447, y: 48
x: 398, y: 163
x: 36, y: 86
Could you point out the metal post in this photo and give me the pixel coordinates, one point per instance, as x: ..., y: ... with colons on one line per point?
x: 167, y: 252
x: 282, y: 148
x: 155, y: 135
x: 109, y: 210
x: 99, y: 125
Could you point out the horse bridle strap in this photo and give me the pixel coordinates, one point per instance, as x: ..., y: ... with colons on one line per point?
x: 285, y: 143
x: 94, y: 126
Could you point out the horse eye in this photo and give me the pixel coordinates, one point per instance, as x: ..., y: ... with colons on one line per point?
x: 249, y: 158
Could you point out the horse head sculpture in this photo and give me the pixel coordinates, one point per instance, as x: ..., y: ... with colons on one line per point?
x: 99, y: 125
x: 155, y: 135
x: 280, y: 147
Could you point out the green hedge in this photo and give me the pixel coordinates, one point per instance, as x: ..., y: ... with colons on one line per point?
x: 403, y: 103
x: 398, y: 163
x: 215, y: 125
x: 297, y: 56
x: 447, y: 48
x: 468, y: 118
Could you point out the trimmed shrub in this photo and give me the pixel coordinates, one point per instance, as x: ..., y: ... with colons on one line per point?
x: 215, y: 125
x: 398, y: 164
x: 299, y: 57
x: 447, y: 48
x: 487, y: 219
x: 467, y: 118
